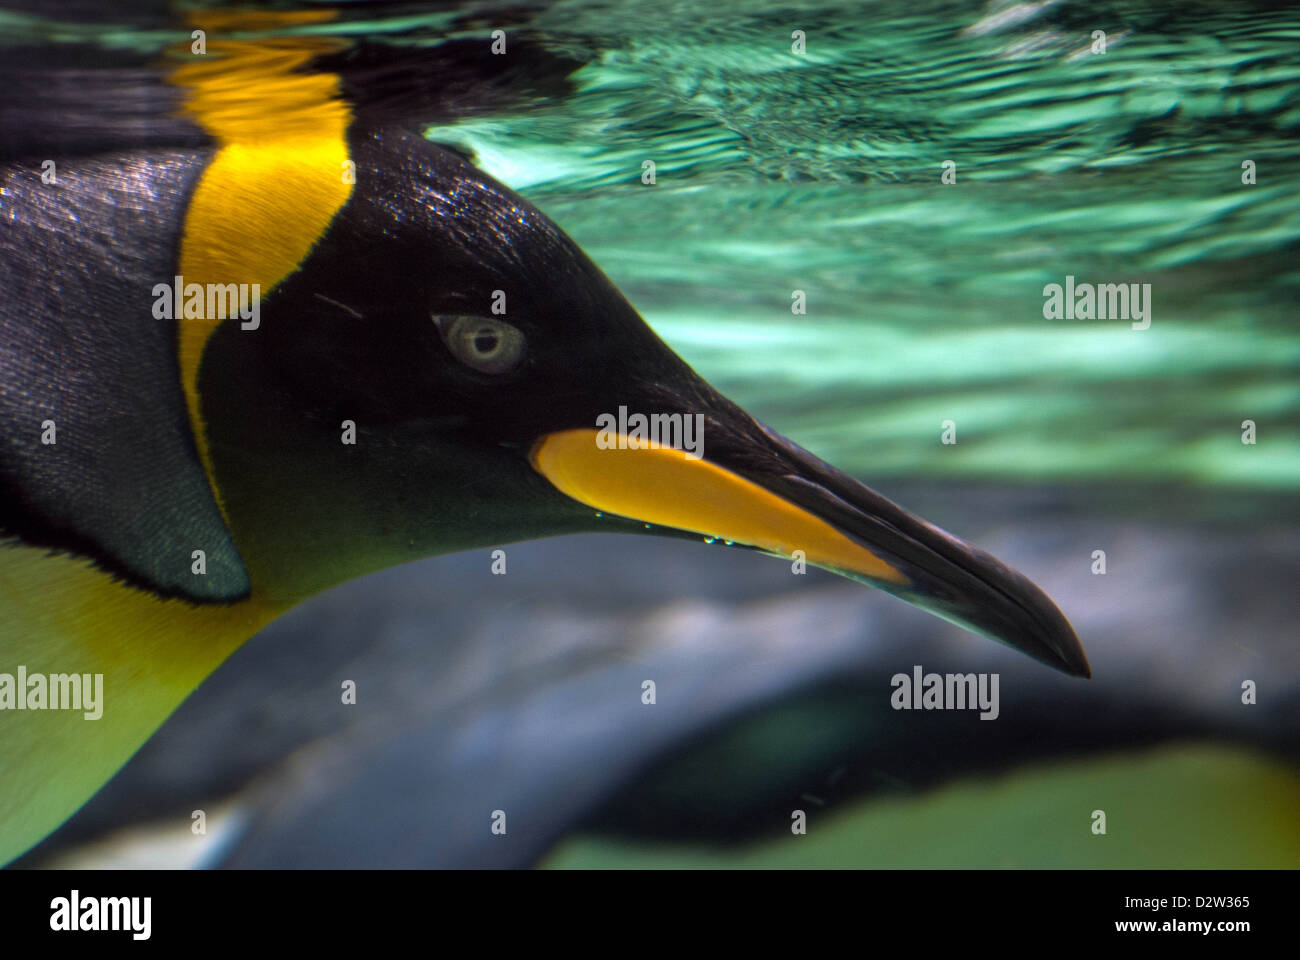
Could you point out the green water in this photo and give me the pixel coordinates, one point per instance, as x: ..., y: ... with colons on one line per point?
x: 1030, y: 820
x: 777, y: 172
x: 821, y: 172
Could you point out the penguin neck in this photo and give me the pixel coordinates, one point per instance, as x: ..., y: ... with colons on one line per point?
x: 309, y: 509
x: 302, y: 529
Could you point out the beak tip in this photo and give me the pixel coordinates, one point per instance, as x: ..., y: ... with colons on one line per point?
x: 1060, y: 650
x: 1076, y: 662
x: 1066, y: 652
x: 1059, y: 640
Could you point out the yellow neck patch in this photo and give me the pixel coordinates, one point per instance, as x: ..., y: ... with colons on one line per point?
x: 281, y: 173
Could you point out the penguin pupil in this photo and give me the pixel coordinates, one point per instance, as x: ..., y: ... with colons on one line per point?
x: 485, y: 341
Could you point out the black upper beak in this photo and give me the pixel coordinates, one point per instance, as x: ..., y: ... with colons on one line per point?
x: 755, y: 488
x: 941, y: 573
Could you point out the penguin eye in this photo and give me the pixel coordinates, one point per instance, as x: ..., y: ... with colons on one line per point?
x: 487, y: 345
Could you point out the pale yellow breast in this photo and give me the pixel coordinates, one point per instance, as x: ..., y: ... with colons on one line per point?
x: 59, y: 614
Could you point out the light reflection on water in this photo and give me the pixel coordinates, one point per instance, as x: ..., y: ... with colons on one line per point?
x: 777, y: 173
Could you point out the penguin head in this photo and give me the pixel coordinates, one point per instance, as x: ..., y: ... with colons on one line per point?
x: 440, y: 294
x: 500, y: 388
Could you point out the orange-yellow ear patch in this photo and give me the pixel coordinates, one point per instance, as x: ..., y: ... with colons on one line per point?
x: 281, y: 173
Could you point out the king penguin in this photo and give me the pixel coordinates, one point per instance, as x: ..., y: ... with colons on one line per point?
x: 280, y: 341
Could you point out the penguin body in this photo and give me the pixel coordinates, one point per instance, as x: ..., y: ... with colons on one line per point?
x: 408, y: 360
x: 99, y: 528
x: 77, y: 262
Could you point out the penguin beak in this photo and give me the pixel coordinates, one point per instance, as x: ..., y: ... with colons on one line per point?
x: 752, y: 487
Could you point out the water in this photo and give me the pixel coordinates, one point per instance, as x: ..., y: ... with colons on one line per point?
x: 823, y: 173
x: 778, y: 172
